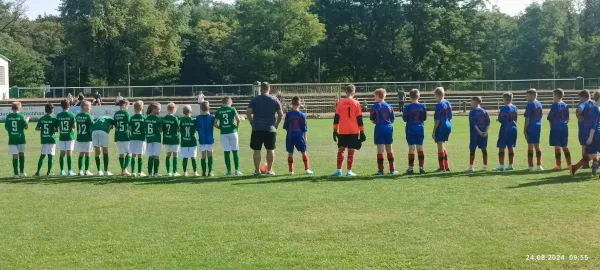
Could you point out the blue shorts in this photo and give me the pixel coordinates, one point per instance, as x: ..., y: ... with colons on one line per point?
x: 442, y: 133
x: 297, y: 142
x: 559, y: 137
x: 533, y: 134
x: 384, y: 135
x: 507, y: 139
x: 593, y: 148
x: 583, y: 135
x: 413, y: 138
x: 478, y: 141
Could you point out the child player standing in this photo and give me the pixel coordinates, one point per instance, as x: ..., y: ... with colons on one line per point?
x: 348, y: 130
x: 227, y: 121
x: 507, y: 137
x: 84, y: 123
x: 479, y: 122
x: 189, y: 150
x: 415, y: 115
x: 442, y: 128
x: 533, y: 129
x: 123, y: 135
x: 47, y: 126
x: 100, y: 139
x: 296, y: 127
x: 16, y: 124
x: 153, y: 128
x: 382, y: 115
x: 593, y: 140
x: 583, y: 120
x: 170, y: 127
x: 137, y: 145
x: 204, y: 125
x: 66, y: 138
x: 559, y: 128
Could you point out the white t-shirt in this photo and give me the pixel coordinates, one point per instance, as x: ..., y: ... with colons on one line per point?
x: 118, y: 99
x: 200, y: 98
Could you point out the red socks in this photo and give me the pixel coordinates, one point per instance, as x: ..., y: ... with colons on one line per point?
x: 557, y: 157
x: 511, y: 156
x: 472, y: 157
x: 485, y: 157
x: 306, y: 162
x: 350, y: 159
x: 411, y: 160
x: 530, y: 158
x: 567, y: 155
x: 391, y: 161
x: 441, y: 160
x: 538, y: 155
x: 340, y: 159
x: 446, y: 163
x: 421, y: 159
x: 291, y: 164
x: 380, y: 162
x: 501, y: 156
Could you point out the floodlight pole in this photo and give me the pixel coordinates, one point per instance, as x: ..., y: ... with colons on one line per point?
x: 129, y: 77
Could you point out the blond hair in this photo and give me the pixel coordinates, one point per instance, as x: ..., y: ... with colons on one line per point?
x: 15, y: 106
x: 414, y: 93
x: 171, y: 107
x: 138, y: 106
x: 187, y: 109
x: 440, y: 92
x: 381, y: 93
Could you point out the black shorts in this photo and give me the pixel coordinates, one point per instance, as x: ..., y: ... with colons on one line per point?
x: 260, y: 138
x: 351, y: 141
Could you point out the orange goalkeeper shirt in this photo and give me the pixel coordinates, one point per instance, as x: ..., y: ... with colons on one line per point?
x: 348, y: 117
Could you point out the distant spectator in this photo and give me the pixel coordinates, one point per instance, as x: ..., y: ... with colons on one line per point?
x: 80, y: 99
x: 71, y: 99
x: 401, y: 98
x: 118, y: 99
x: 97, y: 99
x: 201, y: 98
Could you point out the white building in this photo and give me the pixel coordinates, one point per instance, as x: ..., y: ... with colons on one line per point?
x: 4, y: 83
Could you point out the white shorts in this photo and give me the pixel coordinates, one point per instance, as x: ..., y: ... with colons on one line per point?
x: 84, y: 147
x: 137, y: 147
x: 206, y: 147
x: 66, y: 145
x: 123, y: 148
x: 16, y: 149
x: 171, y: 148
x: 188, y: 152
x: 230, y: 142
x: 153, y: 149
x: 49, y: 149
x: 100, y: 138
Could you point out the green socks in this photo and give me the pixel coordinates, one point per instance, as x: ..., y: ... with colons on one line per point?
x: 156, y: 163
x: 105, y: 157
x: 175, y: 165
x: 194, y: 165
x: 40, y: 163
x: 133, y: 165
x: 87, y: 163
x: 185, y: 163
x: 122, y: 162
x: 22, y: 164
x: 168, y: 161
x: 150, y: 165
x: 80, y: 163
x: 61, y: 161
x: 210, y: 164
x: 70, y: 163
x: 127, y: 160
x: 50, y: 163
x: 203, y: 165
x: 97, y: 163
x: 227, y: 161
x: 236, y: 160
x: 16, y: 166
x: 140, y: 162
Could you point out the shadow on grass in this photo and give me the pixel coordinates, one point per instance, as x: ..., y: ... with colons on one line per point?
x: 560, y: 179
x: 97, y: 180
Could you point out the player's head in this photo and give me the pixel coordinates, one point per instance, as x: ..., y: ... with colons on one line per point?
x: 265, y: 88
x: 153, y: 109
x: 16, y: 106
x: 558, y: 95
x: 171, y: 108
x: 205, y: 107
x: 507, y: 98
x: 296, y: 102
x: 414, y: 95
x: 86, y: 106
x: 187, y: 110
x: 350, y: 90
x: 65, y: 105
x: 531, y: 94
x: 476, y: 102
x: 49, y: 108
x: 439, y: 93
x: 596, y: 97
x: 124, y: 104
x: 138, y: 107
x: 226, y: 101
x: 584, y: 95
x: 380, y: 95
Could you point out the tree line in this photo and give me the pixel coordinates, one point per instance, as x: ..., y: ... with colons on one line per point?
x: 97, y: 42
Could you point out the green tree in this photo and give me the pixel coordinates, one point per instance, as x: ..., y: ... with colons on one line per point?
x: 29, y: 65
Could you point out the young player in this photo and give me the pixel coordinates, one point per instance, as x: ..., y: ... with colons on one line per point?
x: 47, y: 126
x: 383, y: 116
x: 170, y: 127
x: 84, y: 123
x: 296, y: 127
x: 533, y: 129
x: 507, y: 137
x: 137, y: 145
x: 153, y: 129
x: 593, y: 140
x: 585, y: 103
x: 224, y: 121
x: 204, y: 125
x: 187, y: 128
x: 559, y: 128
x: 66, y: 138
x: 415, y: 115
x: 348, y: 130
x: 16, y: 124
x: 123, y: 135
x: 100, y: 130
x: 442, y: 127
x: 479, y: 121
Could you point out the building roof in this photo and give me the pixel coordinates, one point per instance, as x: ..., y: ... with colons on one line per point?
x: 4, y: 57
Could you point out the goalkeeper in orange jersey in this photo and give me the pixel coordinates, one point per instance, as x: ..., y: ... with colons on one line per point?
x: 348, y: 130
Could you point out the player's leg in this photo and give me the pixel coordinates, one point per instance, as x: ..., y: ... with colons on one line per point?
x: 411, y: 158
x: 421, y: 156
x: 391, y: 158
x: 538, y: 156
x: 175, y: 159
x: 184, y: 151
x: 51, y: 152
x: 289, y: 148
x: 302, y: 147
x: 193, y: 157
x: 557, y: 158
x: 446, y: 162
x: 440, y: 150
x: 235, y: 147
x: 97, y: 153
x: 380, y: 151
x: 589, y: 150
x: 354, y: 144
x: 209, y: 158
x: 14, y: 152
x: 203, y: 155
x: 168, y: 161
x: 227, y: 155
x: 80, y: 158
x: 530, y: 148
x: 483, y: 143
x: 61, y: 159
x: 105, y: 160
x: 473, y: 141
x: 256, y: 142
x: 291, y: 163
x: 122, y: 161
x: 270, y: 141
x: 41, y: 160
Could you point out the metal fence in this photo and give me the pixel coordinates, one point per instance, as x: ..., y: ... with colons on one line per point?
x: 309, y: 88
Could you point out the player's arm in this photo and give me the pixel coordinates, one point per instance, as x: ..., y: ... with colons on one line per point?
x: 361, y: 125
x: 38, y: 126
x: 436, y: 122
x: 237, y: 120
x: 373, y: 115
x: 25, y: 121
x: 405, y: 114
x: 392, y: 115
x: 336, y: 122
x: 279, y: 115
x: 305, y: 128
x: 487, y: 123
x: 527, y: 119
x: 593, y: 129
x: 579, y: 113
x: 550, y: 116
x: 216, y: 123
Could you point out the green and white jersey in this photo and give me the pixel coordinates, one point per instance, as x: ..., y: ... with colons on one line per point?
x: 47, y: 126
x: 138, y: 127
x: 226, y: 117
x: 187, y: 127
x: 103, y: 123
x: 66, y: 120
x: 15, y: 125
x: 121, y: 123
x: 153, y: 125
x: 84, y: 123
x: 170, y: 126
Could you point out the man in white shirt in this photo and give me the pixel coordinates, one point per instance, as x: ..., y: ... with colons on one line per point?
x: 200, y: 98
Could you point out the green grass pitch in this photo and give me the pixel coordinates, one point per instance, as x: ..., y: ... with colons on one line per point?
x: 456, y: 220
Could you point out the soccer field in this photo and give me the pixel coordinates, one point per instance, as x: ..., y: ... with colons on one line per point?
x: 455, y: 220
